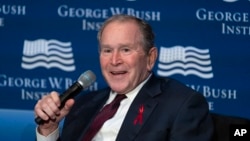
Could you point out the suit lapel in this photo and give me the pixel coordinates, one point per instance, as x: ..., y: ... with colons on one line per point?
x: 139, y: 111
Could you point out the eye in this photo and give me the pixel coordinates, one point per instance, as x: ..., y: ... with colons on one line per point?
x: 126, y: 50
x: 106, y: 51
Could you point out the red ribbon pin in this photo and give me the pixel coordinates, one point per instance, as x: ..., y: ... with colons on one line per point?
x: 139, y: 117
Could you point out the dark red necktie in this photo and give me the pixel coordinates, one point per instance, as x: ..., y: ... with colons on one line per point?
x: 106, y: 113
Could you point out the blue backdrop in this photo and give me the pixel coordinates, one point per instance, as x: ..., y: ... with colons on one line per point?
x: 46, y: 45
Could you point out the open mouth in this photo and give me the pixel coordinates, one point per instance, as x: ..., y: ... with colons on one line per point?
x: 118, y: 72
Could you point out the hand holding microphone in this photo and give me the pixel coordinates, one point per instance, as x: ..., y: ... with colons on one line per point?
x: 84, y: 81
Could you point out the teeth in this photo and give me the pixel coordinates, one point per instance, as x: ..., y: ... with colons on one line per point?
x: 121, y: 72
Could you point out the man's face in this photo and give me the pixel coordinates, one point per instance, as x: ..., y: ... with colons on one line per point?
x: 123, y: 61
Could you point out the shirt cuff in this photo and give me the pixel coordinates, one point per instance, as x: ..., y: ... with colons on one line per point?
x: 51, y: 137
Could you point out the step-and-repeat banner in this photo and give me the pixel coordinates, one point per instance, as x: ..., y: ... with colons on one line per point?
x: 46, y: 45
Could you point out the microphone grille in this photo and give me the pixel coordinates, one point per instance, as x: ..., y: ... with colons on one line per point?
x: 86, y: 78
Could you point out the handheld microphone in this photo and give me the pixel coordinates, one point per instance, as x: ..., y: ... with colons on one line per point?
x: 85, y: 80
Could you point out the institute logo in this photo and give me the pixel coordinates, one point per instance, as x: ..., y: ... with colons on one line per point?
x: 47, y: 54
x: 185, y: 61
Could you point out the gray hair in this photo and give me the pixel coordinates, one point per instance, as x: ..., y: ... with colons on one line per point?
x: 148, y: 36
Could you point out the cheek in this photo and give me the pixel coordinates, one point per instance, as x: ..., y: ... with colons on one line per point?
x: 142, y: 61
x: 103, y: 61
x: 139, y: 64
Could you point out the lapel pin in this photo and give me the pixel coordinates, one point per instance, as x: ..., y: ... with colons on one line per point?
x: 139, y: 117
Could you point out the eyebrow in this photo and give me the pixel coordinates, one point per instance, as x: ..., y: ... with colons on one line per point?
x: 119, y: 45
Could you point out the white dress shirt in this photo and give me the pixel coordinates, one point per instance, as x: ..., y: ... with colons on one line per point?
x: 111, y: 127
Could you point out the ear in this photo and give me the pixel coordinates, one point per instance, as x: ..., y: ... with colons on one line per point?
x: 152, y: 56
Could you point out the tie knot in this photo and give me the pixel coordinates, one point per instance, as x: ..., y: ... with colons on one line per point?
x: 117, y: 100
x: 120, y: 97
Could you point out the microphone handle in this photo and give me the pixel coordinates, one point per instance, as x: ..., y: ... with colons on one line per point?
x: 71, y: 92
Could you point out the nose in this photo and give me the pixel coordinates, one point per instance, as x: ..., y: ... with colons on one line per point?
x: 116, y: 58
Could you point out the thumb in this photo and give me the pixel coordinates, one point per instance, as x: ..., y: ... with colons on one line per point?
x: 68, y: 105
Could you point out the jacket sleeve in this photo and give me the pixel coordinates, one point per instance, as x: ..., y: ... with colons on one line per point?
x: 193, y: 122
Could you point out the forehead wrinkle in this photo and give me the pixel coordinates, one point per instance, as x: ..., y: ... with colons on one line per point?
x: 120, y: 45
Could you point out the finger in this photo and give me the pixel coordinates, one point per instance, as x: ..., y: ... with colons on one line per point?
x: 53, y: 104
x: 50, y: 108
x: 47, y: 107
x: 55, y: 96
x: 68, y: 105
x: 39, y: 112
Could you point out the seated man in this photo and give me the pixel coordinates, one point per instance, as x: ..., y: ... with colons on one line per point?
x: 151, y: 108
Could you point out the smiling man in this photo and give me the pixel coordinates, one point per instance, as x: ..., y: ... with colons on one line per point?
x: 151, y: 108
x: 124, y: 61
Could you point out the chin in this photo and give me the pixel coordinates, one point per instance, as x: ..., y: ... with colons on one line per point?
x: 117, y: 88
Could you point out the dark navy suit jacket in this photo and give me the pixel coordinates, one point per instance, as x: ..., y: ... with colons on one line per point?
x: 171, y: 112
